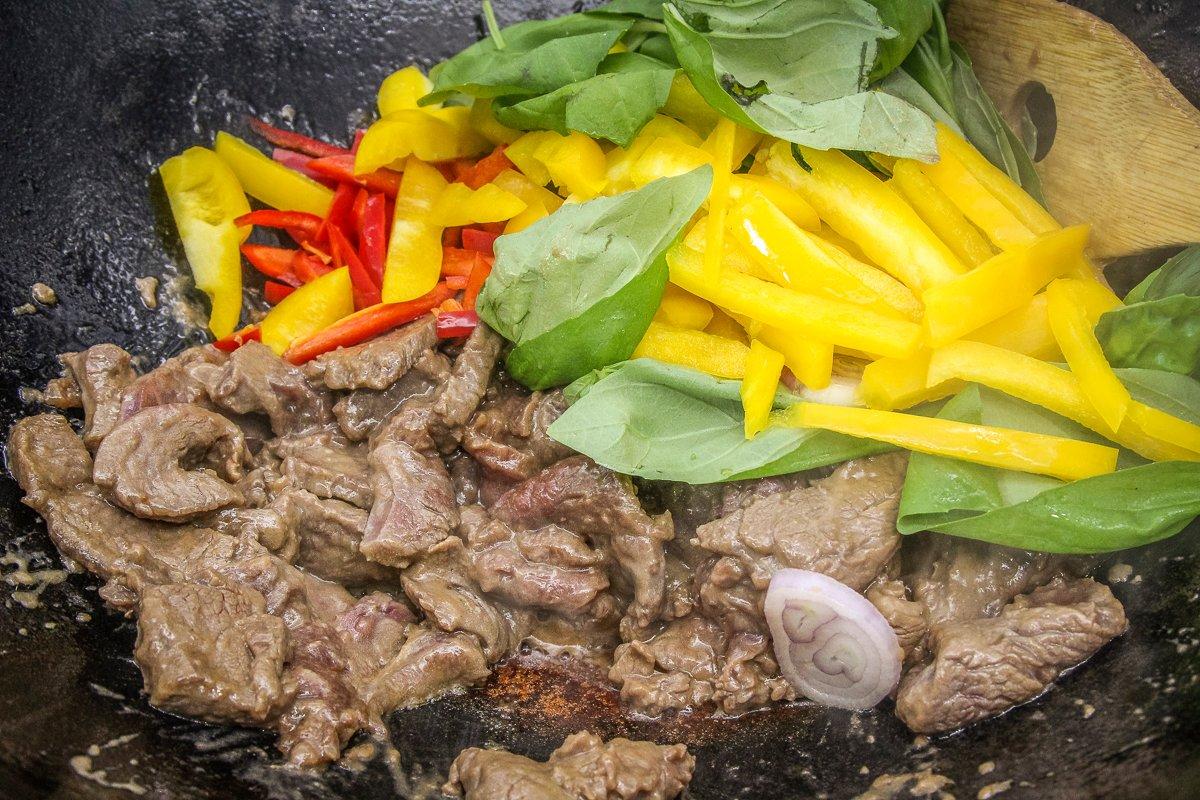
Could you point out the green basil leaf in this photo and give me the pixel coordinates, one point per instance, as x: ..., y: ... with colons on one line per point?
x: 645, y: 9
x: 576, y: 290
x: 666, y: 422
x: 539, y: 56
x: 1155, y: 334
x: 1180, y: 275
x: 614, y: 104
x: 909, y: 19
x: 797, y: 71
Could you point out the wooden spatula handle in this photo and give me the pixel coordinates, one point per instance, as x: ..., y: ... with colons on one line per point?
x: 1126, y: 152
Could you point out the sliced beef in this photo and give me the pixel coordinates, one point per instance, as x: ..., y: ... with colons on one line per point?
x: 727, y: 595
x: 414, y: 505
x: 62, y: 393
x: 983, y: 667
x: 101, y: 372
x: 376, y: 364
x: 326, y: 466
x: 465, y: 388
x: 464, y: 476
x: 674, y: 670
x: 440, y: 584
x: 270, y: 527
x: 548, y: 568
x: 361, y: 412
x: 212, y: 652
x: 431, y: 663
x: 172, y: 462
x: 907, y: 617
x: 588, y: 499
x: 507, y: 435
x: 843, y: 526
x: 692, y: 505
x: 585, y: 767
x: 750, y: 676
x: 328, y: 534
x: 256, y: 381
x: 189, y: 377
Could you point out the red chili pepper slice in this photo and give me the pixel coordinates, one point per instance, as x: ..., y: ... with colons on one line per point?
x: 479, y: 240
x: 456, y: 261
x: 366, y: 324
x: 233, y: 341
x: 457, y: 282
x: 372, y: 236
x: 274, y: 262
x: 341, y: 168
x: 308, y: 267
x: 274, y: 292
x: 358, y: 137
x: 487, y: 168
x: 341, y: 210
x: 294, y: 141
x: 453, y: 324
x: 366, y: 291
x: 299, y: 221
x: 451, y: 237
x: 299, y: 163
x: 483, y: 268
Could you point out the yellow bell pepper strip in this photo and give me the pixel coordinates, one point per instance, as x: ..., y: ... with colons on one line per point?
x: 976, y: 203
x: 459, y: 205
x: 796, y: 259
x: 271, y: 182
x: 430, y: 134
x: 744, y: 187
x: 533, y: 194
x: 311, y: 308
x: 666, y: 158
x: 1002, y: 284
x: 402, y: 89
x: 205, y: 200
x: 620, y: 160
x: 759, y: 384
x: 532, y: 213
x: 727, y: 326
x: 574, y: 163
x: 1077, y: 339
x: 716, y: 355
x: 819, y: 318
x: 720, y: 144
x: 743, y: 143
x: 1096, y: 298
x: 1026, y: 331
x: 867, y: 211
x: 484, y: 121
x: 1059, y: 391
x: 940, y: 214
x: 810, y: 361
x: 1058, y: 457
x: 414, y: 254
x: 524, y: 153
x: 688, y: 106
x: 894, y: 384
x: 681, y: 309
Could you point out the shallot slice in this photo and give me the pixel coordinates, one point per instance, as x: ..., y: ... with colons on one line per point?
x: 833, y: 645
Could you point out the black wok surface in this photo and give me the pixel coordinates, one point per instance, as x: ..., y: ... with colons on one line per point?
x: 93, y: 96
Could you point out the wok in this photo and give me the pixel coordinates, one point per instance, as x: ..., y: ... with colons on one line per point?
x: 94, y: 95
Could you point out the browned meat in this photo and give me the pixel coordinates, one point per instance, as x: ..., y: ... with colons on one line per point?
x: 256, y: 381
x: 440, y: 585
x: 101, y: 372
x: 414, y: 505
x: 584, y: 497
x: 907, y: 617
x: 376, y: 364
x: 270, y: 527
x: 693, y: 505
x: 431, y: 663
x: 63, y: 393
x: 212, y: 653
x: 327, y: 466
x: 585, y: 767
x: 983, y: 667
x: 172, y: 462
x: 468, y: 383
x: 187, y: 378
x: 328, y: 533
x: 374, y: 629
x: 361, y: 412
x: 750, y: 676
x: 843, y: 526
x: 727, y: 595
x: 549, y: 567
x: 464, y: 475
x: 507, y: 435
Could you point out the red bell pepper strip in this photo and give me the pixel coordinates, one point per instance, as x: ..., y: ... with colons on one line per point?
x: 274, y: 292
x: 308, y: 267
x: 366, y: 324
x: 487, y: 168
x: 299, y: 162
x: 491, y: 227
x: 372, y: 236
x: 341, y: 211
x: 360, y: 203
x: 479, y: 240
x: 341, y: 168
x: 456, y: 261
x: 462, y: 167
x: 483, y: 268
x: 299, y: 221
x: 358, y: 137
x: 274, y: 262
x: 457, y: 282
x: 366, y: 291
x: 453, y: 324
x: 233, y: 341
x: 294, y: 141
x: 452, y: 237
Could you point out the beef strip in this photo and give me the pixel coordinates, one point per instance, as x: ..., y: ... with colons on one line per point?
x: 213, y: 653
x: 588, y: 499
x: 361, y: 412
x: 63, y: 393
x: 172, y: 462
x: 507, y: 435
x: 327, y: 466
x: 843, y: 526
x: 101, y: 372
x: 189, y: 377
x: 692, y: 505
x: 376, y: 364
x: 983, y: 667
x: 585, y: 767
x: 907, y: 617
x: 270, y: 527
x: 431, y: 663
x: 256, y: 381
x: 727, y: 595
x: 328, y: 533
x: 465, y: 388
x: 414, y: 505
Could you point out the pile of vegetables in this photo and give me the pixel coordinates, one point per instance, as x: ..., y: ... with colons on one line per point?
x: 749, y: 239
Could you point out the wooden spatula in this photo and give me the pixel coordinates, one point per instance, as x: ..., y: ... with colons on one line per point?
x: 1126, y: 150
